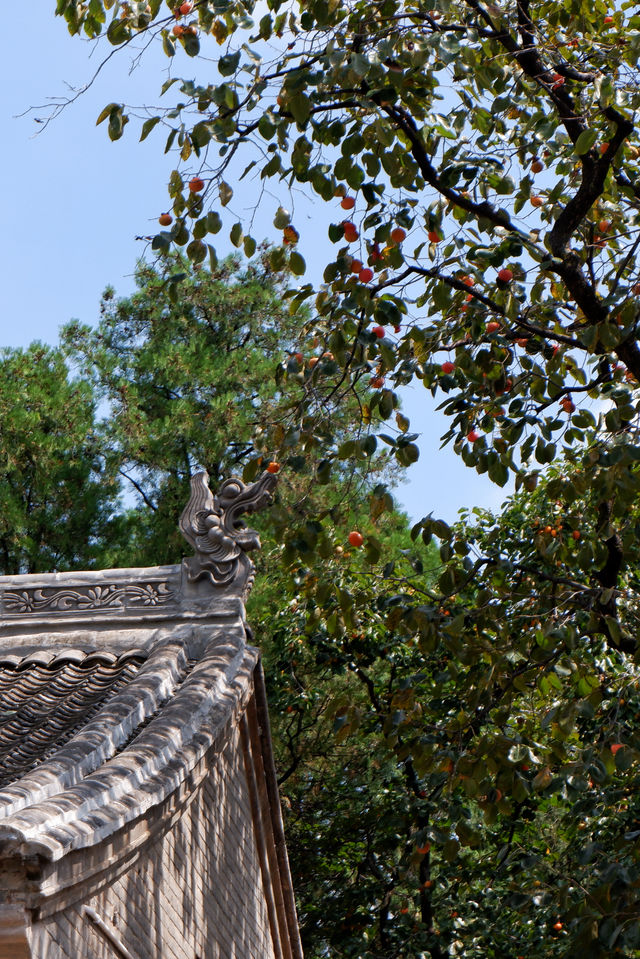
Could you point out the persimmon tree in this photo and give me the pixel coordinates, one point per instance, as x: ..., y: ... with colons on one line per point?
x: 481, y: 161
x: 491, y: 725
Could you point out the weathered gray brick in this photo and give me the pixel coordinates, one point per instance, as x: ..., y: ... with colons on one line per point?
x: 196, y: 891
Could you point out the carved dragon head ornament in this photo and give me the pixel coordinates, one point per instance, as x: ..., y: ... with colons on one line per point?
x: 211, y: 525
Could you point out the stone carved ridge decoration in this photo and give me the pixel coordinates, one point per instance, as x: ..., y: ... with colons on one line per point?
x: 79, y: 598
x: 212, y: 526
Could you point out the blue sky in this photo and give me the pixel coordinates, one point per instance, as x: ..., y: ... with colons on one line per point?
x: 74, y: 203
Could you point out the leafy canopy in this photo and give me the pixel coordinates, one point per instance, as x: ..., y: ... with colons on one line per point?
x: 57, y: 496
x: 483, y: 162
x: 470, y: 141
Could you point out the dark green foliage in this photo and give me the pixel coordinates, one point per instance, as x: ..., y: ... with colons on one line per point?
x: 333, y: 670
x: 491, y: 158
x: 186, y: 367
x: 56, y: 494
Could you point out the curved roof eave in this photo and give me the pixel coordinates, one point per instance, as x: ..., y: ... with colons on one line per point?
x: 48, y: 824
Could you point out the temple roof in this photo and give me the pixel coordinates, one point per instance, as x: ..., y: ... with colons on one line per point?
x: 120, y: 691
x: 48, y: 696
x: 115, y: 683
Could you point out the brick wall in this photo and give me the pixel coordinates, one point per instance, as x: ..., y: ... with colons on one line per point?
x: 194, y: 893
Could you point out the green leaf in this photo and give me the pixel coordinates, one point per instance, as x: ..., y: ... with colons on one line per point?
x: 191, y: 44
x: 265, y: 127
x: 225, y: 193
x: 360, y: 65
x: 201, y: 135
x: 118, y: 32
x: 297, y: 264
x: 117, y: 121
x: 170, y: 140
x: 403, y: 422
x: 585, y: 141
x: 108, y: 110
x: 450, y: 850
x: 167, y: 84
x: 161, y: 242
x: 300, y: 107
x: 148, y: 126
x: 282, y: 218
x: 214, y: 223
x: 197, y: 251
x: 228, y: 64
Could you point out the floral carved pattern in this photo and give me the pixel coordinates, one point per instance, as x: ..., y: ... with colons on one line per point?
x: 81, y: 598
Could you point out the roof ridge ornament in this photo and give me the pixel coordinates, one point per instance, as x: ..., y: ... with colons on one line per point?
x: 211, y: 524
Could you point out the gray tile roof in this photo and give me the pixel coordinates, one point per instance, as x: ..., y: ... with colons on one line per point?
x: 119, y: 687
x: 46, y: 697
x: 119, y: 692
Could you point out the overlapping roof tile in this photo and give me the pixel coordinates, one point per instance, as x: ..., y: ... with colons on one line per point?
x: 46, y: 697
